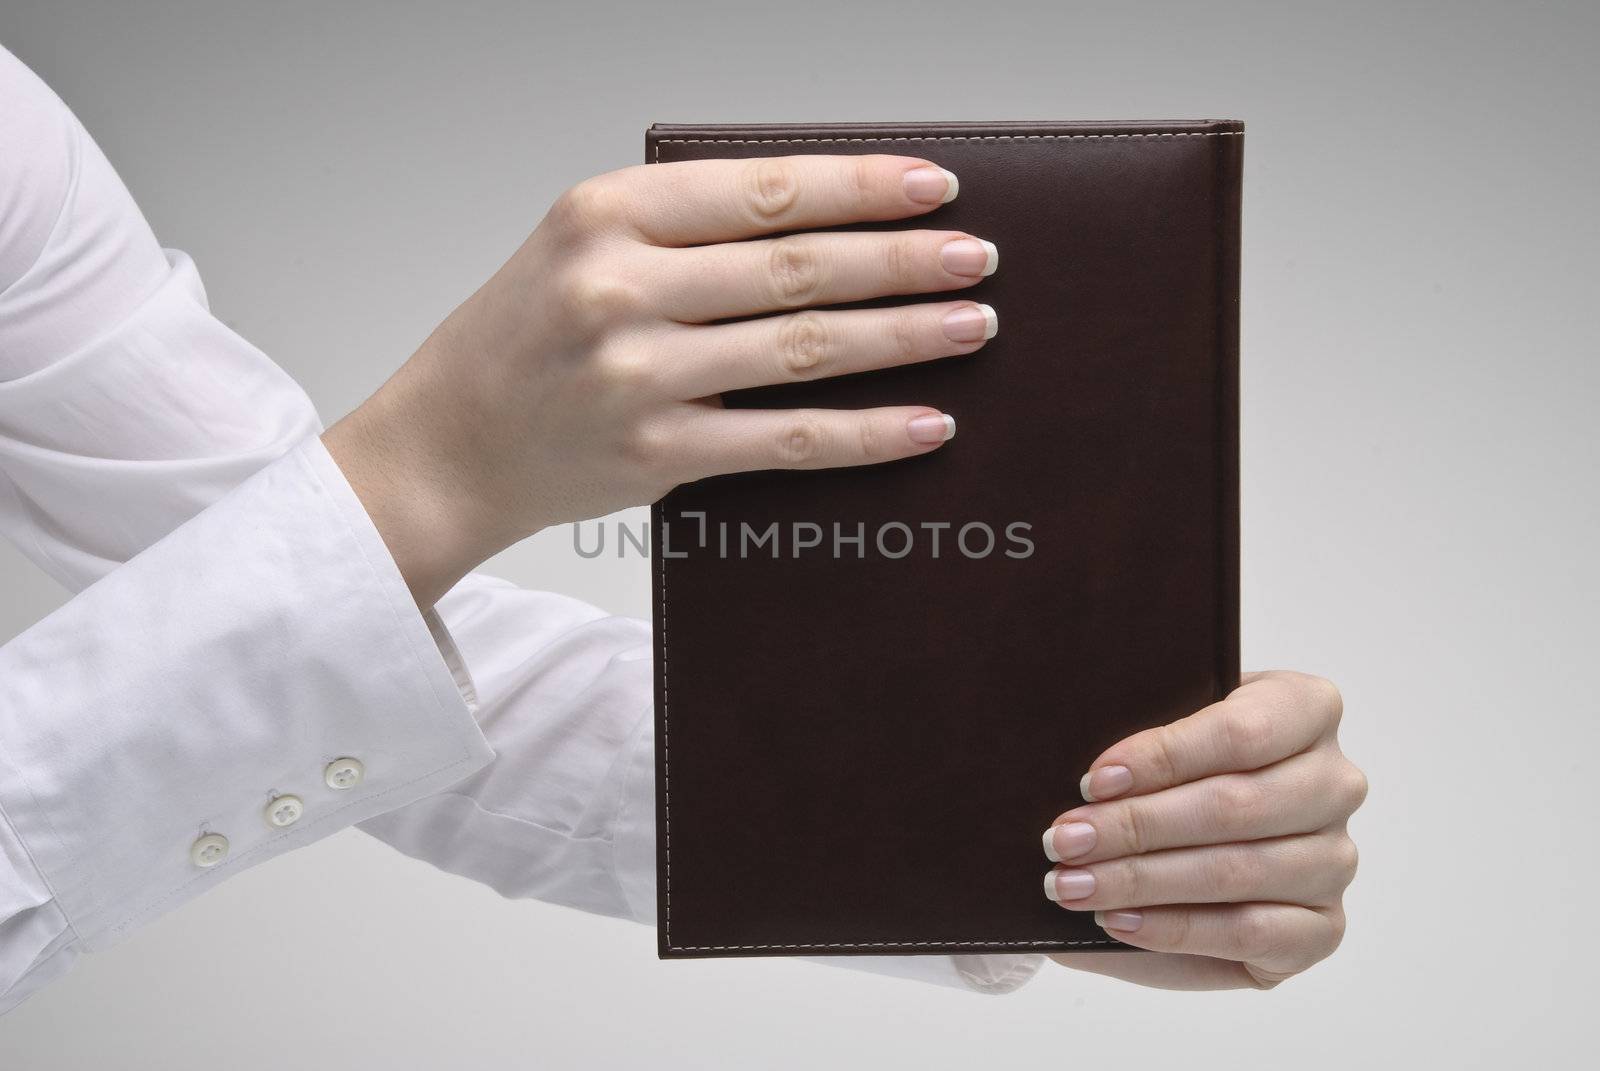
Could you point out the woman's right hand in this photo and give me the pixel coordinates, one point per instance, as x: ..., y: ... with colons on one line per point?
x: 585, y: 375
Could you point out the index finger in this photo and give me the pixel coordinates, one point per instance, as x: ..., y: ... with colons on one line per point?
x: 1268, y: 718
x: 695, y: 202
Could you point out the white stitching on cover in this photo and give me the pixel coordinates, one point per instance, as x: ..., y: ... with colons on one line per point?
x: 889, y: 944
x: 945, y: 137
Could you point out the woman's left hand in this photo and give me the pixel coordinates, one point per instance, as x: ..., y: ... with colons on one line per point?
x: 1217, y: 843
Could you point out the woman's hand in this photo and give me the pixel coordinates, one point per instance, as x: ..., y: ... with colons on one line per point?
x: 1218, y: 842
x: 585, y: 375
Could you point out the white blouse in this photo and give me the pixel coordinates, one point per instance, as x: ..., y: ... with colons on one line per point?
x: 243, y: 670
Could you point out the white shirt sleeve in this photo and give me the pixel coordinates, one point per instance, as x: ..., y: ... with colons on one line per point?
x: 241, y: 630
x: 244, y: 669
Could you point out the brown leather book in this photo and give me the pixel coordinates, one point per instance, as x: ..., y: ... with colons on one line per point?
x: 875, y: 687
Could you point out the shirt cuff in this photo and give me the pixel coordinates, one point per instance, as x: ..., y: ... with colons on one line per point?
x: 256, y: 680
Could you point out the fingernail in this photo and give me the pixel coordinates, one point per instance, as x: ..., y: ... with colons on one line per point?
x: 1068, y: 841
x: 1064, y: 885
x: 931, y: 429
x: 1105, y: 782
x: 969, y: 256
x: 971, y: 324
x: 1121, y: 921
x: 931, y: 185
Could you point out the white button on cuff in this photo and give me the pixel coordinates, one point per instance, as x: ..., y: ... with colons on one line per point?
x: 344, y: 773
x: 284, y: 810
x: 209, y: 850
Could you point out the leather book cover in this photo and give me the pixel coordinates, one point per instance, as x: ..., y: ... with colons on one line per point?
x: 876, y: 687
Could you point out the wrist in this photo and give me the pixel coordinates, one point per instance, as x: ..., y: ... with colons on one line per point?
x: 419, y: 505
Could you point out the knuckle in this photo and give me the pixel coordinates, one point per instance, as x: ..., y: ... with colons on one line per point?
x: 1309, y: 691
x: 800, y: 442
x: 1237, y: 874
x: 862, y: 178
x: 1179, y: 927
x: 1353, y: 787
x: 900, y: 261
x: 648, y: 446
x: 623, y: 368
x: 1247, y: 733
x: 1327, y: 697
x: 904, y: 337
x: 1346, y: 859
x: 1337, y: 925
x: 794, y: 272
x: 803, y: 346
x: 1163, y: 754
x: 594, y: 298
x: 870, y: 439
x: 1284, y: 692
x: 1241, y: 803
x: 1257, y: 934
x: 1134, y: 826
x: 592, y: 204
x: 771, y: 188
x: 1124, y: 881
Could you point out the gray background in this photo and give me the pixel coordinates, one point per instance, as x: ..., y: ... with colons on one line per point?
x: 1419, y: 491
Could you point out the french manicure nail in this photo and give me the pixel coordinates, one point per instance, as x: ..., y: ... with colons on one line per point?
x: 971, y: 323
x: 931, y: 185
x: 969, y: 256
x: 1119, y: 921
x: 1065, y: 885
x: 1106, y: 782
x: 1068, y: 841
x: 931, y: 429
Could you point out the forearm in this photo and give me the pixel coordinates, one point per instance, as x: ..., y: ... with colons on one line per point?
x: 405, y: 482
